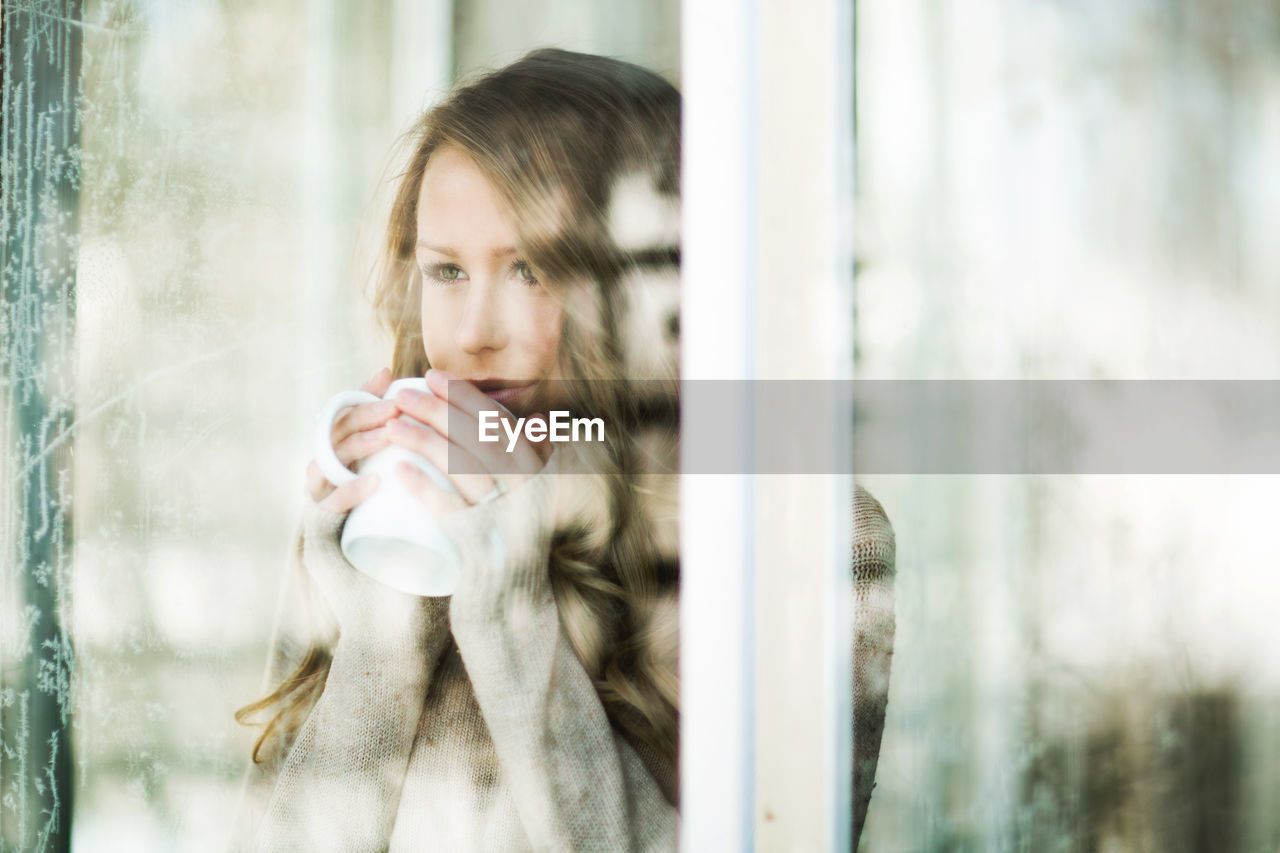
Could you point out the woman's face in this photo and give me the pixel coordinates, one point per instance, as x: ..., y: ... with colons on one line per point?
x: 485, y: 315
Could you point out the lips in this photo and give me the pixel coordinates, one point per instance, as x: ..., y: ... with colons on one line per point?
x: 505, y: 392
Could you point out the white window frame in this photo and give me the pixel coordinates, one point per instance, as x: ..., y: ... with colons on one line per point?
x: 766, y: 744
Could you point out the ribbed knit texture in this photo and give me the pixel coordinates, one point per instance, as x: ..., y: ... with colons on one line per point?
x: 468, y: 723
x: 873, y: 629
x: 456, y: 724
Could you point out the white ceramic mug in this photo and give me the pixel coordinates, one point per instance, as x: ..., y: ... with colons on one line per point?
x: 391, y: 536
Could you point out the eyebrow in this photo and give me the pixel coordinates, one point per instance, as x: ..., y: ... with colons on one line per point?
x: 453, y: 253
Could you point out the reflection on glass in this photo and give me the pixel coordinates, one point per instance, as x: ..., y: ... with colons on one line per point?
x: 1074, y: 191
x: 531, y: 700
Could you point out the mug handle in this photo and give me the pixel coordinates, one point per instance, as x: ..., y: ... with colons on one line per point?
x: 321, y: 440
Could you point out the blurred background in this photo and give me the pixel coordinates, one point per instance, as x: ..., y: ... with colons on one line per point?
x: 1075, y: 191
x: 229, y: 162
x: 1045, y: 190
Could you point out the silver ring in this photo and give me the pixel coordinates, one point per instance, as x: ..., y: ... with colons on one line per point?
x: 493, y: 494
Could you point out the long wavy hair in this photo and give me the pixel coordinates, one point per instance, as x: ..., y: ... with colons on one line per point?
x: 556, y: 133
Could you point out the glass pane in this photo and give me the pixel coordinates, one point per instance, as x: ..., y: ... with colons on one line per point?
x: 1074, y: 191
x: 194, y: 195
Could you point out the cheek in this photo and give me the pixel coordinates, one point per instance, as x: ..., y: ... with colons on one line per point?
x: 437, y: 326
x: 545, y: 333
x: 546, y: 344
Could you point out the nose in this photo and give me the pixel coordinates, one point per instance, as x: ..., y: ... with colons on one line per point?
x: 481, y: 325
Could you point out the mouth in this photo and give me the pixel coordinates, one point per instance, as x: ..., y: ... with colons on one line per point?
x: 505, y: 392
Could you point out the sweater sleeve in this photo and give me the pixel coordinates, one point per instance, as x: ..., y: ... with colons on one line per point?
x: 338, y: 786
x: 873, y: 629
x: 577, y: 784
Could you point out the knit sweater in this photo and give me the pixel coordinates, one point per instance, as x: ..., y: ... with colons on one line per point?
x: 469, y: 724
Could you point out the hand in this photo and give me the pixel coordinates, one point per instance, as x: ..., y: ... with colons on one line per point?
x: 357, y: 433
x: 501, y: 518
x: 472, y: 466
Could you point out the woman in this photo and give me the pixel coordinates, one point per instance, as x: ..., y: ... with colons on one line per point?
x: 536, y: 707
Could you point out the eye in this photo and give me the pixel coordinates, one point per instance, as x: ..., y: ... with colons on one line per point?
x: 443, y: 273
x: 524, y: 273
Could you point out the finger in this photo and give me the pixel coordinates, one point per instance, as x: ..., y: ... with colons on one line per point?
x: 461, y: 393
x: 346, y: 496
x: 541, y: 448
x: 378, y: 382
x: 438, y: 500
x: 466, y: 398
x: 468, y: 475
x: 503, y: 457
x: 525, y: 457
x: 360, y: 445
x: 362, y: 417
x: 462, y: 429
x: 317, y: 485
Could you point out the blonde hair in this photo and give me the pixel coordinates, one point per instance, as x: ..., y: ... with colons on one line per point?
x: 555, y: 132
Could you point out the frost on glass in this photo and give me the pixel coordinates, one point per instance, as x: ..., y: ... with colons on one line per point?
x: 38, y: 226
x: 185, y: 188
x: 177, y: 224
